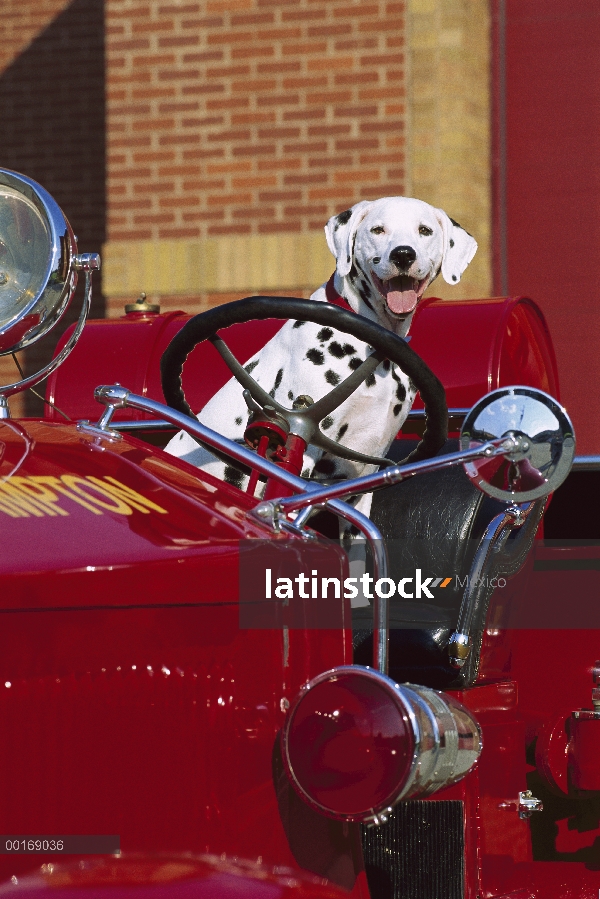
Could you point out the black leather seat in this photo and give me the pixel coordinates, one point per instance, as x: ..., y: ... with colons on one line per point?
x: 435, y: 522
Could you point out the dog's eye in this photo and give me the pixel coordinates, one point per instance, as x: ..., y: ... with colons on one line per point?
x: 378, y: 229
x: 424, y: 231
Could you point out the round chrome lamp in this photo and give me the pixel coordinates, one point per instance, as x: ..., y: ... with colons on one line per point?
x: 38, y: 273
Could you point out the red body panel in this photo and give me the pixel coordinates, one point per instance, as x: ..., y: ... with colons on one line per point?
x: 208, y: 695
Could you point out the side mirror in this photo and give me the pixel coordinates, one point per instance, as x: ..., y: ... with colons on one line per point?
x: 545, y: 436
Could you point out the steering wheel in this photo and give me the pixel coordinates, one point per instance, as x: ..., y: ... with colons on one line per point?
x: 305, y: 422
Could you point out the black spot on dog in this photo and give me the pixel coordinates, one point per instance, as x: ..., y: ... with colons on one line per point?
x: 238, y: 420
x: 454, y: 278
x: 386, y: 364
x: 298, y: 324
x: 324, y: 334
x: 290, y: 395
x: 327, y: 422
x: 354, y: 363
x: 315, y: 356
x: 325, y: 466
x: 451, y: 242
x: 412, y: 386
x: 251, y: 366
x: 341, y: 432
x: 370, y: 380
x: 364, y: 294
x: 278, y: 378
x: 233, y: 476
x: 397, y: 408
x: 339, y: 351
x: 331, y: 377
x: 353, y: 273
x: 342, y: 218
x: 401, y: 391
x: 305, y: 472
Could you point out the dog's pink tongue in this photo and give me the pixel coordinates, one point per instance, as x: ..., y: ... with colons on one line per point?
x: 401, y: 301
x: 401, y: 295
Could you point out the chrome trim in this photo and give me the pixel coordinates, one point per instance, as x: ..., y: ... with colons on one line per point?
x: 59, y: 279
x: 496, y: 534
x: 452, y: 413
x: 32, y: 380
x: 115, y: 397
x: 586, y: 463
x: 392, y: 475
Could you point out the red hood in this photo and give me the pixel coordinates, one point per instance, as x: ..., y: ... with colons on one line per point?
x: 101, y: 512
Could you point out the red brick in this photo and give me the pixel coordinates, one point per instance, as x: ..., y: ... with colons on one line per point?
x: 355, y: 112
x: 216, y: 230
x: 227, y: 71
x: 255, y: 181
x: 367, y: 127
x: 302, y: 15
x: 277, y: 99
x: 356, y: 43
x: 312, y: 178
x: 254, y: 212
x: 304, y: 115
x: 329, y: 30
x: 330, y: 97
x: 358, y: 144
x: 251, y: 52
x: 351, y: 78
x: 255, y: 18
x: 277, y: 68
x: 309, y: 49
x: 328, y: 130
x: 279, y: 164
x: 202, y: 122
x: 260, y: 150
x: 228, y: 103
x: 352, y: 12
x: 229, y: 135
x: 275, y: 133
x: 279, y: 196
x: 178, y: 233
x: 325, y: 162
x: 252, y: 118
x: 227, y: 199
x: 307, y: 81
x: 204, y: 56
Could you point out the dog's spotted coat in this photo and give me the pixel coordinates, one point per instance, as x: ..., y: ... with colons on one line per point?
x: 387, y: 252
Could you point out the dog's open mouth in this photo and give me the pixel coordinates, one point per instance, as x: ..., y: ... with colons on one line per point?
x: 401, y: 293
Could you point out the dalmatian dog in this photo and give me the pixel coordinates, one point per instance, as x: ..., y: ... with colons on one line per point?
x: 387, y: 253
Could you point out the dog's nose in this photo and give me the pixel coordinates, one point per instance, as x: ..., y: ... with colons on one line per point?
x: 403, y: 257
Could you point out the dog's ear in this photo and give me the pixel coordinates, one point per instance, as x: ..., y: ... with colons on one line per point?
x: 459, y: 248
x: 340, y: 232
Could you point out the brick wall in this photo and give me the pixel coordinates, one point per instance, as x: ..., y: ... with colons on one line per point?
x: 249, y: 117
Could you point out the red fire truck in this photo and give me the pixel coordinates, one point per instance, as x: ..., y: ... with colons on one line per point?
x: 171, y: 725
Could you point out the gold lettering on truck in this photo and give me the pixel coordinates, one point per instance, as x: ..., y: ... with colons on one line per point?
x: 39, y: 496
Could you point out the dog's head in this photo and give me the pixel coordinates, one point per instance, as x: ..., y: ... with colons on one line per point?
x: 388, y: 251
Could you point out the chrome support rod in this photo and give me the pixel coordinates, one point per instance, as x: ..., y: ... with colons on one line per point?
x: 116, y: 397
x: 32, y: 380
x: 393, y: 475
x: 459, y: 644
